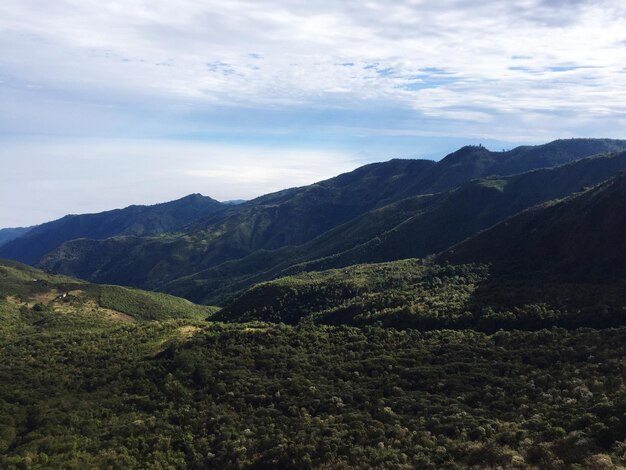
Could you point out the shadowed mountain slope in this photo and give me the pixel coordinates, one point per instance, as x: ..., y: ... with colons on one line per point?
x: 559, y: 264
x: 411, y: 228
x: 132, y: 220
x: 580, y: 237
x: 296, y: 216
x: 8, y: 234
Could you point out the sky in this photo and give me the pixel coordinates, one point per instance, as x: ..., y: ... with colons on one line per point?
x: 104, y: 104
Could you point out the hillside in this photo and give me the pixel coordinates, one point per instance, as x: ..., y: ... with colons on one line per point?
x: 133, y: 220
x: 580, y: 237
x: 411, y: 228
x: 504, y: 351
x: 8, y: 234
x: 562, y: 264
x: 291, y: 217
x: 31, y: 297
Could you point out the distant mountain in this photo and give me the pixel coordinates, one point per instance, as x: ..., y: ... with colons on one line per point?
x: 289, y: 217
x: 234, y: 202
x: 296, y: 216
x: 411, y: 228
x: 471, y: 162
x: 8, y: 234
x: 133, y: 220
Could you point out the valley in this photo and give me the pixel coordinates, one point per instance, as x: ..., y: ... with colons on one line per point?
x: 468, y: 313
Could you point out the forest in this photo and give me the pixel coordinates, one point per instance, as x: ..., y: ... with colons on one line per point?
x: 480, y: 326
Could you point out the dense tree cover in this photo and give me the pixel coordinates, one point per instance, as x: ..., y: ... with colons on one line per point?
x: 578, y: 238
x: 425, y: 296
x: 411, y: 228
x: 180, y: 394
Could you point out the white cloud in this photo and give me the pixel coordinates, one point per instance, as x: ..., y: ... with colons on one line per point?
x: 280, y: 53
x: 293, y: 77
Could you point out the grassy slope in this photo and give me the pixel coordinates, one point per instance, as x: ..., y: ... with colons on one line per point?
x: 30, y: 297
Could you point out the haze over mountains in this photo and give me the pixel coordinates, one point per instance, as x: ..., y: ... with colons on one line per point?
x: 206, y: 251
x: 467, y: 313
x: 132, y: 220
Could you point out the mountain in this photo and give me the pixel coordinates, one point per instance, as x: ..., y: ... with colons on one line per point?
x: 293, y: 217
x: 133, y: 220
x: 288, y: 217
x: 8, y: 234
x: 562, y: 263
x: 411, y: 228
x: 471, y: 162
x: 579, y: 237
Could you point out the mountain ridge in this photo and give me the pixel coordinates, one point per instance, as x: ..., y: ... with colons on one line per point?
x: 132, y: 220
x: 294, y: 216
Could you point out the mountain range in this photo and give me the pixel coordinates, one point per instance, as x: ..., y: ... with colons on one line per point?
x: 562, y: 263
x: 467, y: 313
x: 134, y: 220
x: 209, y: 252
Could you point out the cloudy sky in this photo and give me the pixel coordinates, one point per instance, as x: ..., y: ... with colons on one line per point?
x: 109, y: 103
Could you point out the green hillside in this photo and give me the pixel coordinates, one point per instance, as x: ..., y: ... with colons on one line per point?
x: 296, y: 216
x: 411, y: 228
x: 176, y: 394
x: 416, y: 294
x: 503, y: 351
x: 32, y: 298
x: 579, y: 237
x: 561, y: 264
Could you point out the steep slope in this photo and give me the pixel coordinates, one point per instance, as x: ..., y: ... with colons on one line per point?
x: 291, y: 217
x: 411, y: 228
x: 8, y: 234
x: 559, y: 264
x: 132, y: 220
x: 581, y: 237
x: 404, y: 293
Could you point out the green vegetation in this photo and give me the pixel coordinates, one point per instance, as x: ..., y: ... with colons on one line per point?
x: 412, y: 227
x: 177, y: 394
x: 149, y: 305
x: 30, y: 298
x: 404, y: 293
x: 424, y: 296
x: 357, y: 217
x: 504, y: 351
x: 172, y: 216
